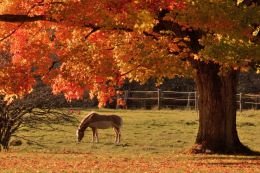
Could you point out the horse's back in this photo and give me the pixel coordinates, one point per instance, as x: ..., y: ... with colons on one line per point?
x: 104, y: 121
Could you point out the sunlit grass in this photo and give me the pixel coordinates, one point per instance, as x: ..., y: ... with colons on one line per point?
x: 151, y: 140
x: 147, y: 132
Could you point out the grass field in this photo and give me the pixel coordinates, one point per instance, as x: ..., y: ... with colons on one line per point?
x: 152, y: 141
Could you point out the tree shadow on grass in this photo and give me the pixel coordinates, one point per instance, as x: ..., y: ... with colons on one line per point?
x: 31, y: 142
x: 229, y: 164
x: 233, y: 157
x: 239, y: 150
x: 45, y: 124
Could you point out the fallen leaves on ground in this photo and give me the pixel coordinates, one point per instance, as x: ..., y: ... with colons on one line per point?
x: 90, y: 162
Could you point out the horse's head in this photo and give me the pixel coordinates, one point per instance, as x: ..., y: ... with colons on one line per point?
x: 80, y: 134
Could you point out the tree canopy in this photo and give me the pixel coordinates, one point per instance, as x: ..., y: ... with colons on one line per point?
x: 78, y: 45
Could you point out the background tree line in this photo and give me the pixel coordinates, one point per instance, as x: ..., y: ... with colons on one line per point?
x: 248, y: 83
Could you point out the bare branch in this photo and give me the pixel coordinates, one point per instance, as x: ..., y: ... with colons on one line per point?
x: 94, y: 29
x: 11, y: 33
x: 131, y: 70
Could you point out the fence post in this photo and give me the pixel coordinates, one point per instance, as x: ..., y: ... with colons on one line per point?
x: 257, y: 102
x: 125, y: 98
x: 117, y: 98
x: 159, y: 98
x: 188, y: 101
x: 240, y: 102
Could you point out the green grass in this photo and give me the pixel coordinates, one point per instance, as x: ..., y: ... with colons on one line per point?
x: 146, y: 132
x: 152, y: 141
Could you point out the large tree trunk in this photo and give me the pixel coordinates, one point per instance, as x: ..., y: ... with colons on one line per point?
x: 217, y: 110
x: 5, y: 131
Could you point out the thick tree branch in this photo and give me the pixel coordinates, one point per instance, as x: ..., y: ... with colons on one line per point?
x: 14, y: 18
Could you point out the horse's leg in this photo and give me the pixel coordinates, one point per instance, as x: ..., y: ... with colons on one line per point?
x: 93, y: 134
x: 117, y: 136
x: 97, y: 139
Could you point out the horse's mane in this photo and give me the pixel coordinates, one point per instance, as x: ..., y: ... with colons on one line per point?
x: 86, y: 119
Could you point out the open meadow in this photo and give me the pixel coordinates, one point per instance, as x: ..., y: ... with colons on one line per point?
x: 152, y: 141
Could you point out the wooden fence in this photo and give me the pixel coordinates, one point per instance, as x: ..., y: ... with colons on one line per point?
x: 175, y: 99
x: 248, y: 101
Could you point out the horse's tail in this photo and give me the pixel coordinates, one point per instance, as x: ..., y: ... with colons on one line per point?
x: 120, y: 121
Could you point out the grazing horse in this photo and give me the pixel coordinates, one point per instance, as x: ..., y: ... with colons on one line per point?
x: 96, y: 121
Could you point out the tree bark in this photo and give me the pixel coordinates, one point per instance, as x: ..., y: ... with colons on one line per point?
x: 217, y: 110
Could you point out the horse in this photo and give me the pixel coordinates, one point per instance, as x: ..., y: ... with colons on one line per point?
x: 96, y: 121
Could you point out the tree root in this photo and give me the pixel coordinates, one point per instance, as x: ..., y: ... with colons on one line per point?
x: 239, y: 149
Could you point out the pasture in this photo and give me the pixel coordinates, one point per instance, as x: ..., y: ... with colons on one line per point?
x: 152, y: 141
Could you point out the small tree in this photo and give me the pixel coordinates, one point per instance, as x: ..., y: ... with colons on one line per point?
x: 37, y: 107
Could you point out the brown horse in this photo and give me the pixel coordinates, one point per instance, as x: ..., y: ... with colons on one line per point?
x: 96, y: 121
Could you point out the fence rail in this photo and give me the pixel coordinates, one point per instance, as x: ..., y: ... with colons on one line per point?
x: 174, y: 99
